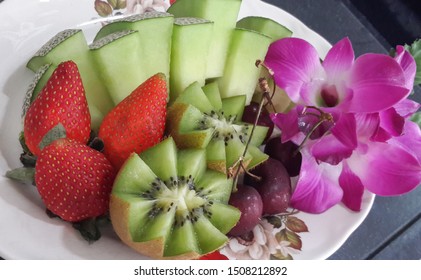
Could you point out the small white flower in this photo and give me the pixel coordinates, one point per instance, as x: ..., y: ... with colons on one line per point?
x: 143, y: 6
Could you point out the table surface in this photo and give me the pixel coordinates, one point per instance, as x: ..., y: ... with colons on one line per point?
x: 392, y: 229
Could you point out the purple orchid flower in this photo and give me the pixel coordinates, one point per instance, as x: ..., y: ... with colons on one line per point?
x: 367, y: 142
x: 371, y: 83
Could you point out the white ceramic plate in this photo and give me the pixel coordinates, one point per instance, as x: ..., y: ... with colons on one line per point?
x: 25, y: 231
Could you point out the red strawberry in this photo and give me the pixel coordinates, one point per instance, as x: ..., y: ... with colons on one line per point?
x: 63, y: 101
x: 214, y: 256
x: 137, y: 122
x: 172, y: 2
x: 74, y: 180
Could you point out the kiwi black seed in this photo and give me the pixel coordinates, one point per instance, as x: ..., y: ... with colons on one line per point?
x: 165, y: 203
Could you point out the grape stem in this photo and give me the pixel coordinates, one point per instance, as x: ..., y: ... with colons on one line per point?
x: 323, y: 117
x: 239, y: 165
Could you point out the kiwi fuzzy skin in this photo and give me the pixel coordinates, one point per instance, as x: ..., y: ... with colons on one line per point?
x: 175, y: 113
x: 154, y: 249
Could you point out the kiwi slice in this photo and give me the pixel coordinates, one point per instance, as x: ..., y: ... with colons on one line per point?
x: 200, y: 118
x: 165, y: 203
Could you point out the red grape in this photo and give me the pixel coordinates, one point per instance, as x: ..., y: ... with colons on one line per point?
x: 274, y: 186
x: 249, y: 202
x: 285, y: 153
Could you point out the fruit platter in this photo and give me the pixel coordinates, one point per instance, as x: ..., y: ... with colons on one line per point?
x: 162, y: 129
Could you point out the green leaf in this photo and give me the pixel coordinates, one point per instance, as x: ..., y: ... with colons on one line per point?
x: 55, y: 133
x: 296, y: 225
x: 416, y: 118
x: 103, y: 8
x: 121, y: 4
x: 22, y: 174
x: 23, y: 143
x: 279, y: 256
x: 88, y: 229
x: 113, y: 3
x: 275, y: 221
x: 293, y: 238
x: 415, y: 51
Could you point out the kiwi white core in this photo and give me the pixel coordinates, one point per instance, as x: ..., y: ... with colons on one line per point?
x: 225, y: 127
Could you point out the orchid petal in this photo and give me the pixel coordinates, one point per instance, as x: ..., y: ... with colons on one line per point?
x: 410, y: 139
x: 339, y: 145
x: 391, y: 122
x: 407, y: 107
x: 295, y: 63
x: 367, y: 125
x: 386, y: 169
x: 317, y: 188
x: 408, y: 64
x: 377, y: 82
x: 339, y: 60
x: 287, y: 123
x: 345, y: 130
x: 352, y: 187
x: 330, y: 150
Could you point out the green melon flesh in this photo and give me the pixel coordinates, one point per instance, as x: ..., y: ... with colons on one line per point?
x: 276, y: 32
x: 118, y: 63
x: 190, y: 48
x: 241, y: 74
x: 194, y: 122
x: 265, y: 26
x: 71, y: 45
x: 180, y: 210
x: 224, y: 14
x: 154, y: 30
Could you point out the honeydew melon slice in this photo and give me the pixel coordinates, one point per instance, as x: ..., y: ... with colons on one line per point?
x: 241, y: 74
x: 276, y: 31
x: 71, y: 44
x: 154, y: 30
x: 265, y: 26
x: 117, y: 60
x: 190, y: 48
x: 224, y: 14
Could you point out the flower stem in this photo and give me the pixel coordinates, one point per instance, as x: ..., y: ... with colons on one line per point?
x: 240, y: 163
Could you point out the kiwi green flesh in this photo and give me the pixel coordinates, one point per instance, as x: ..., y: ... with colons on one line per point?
x: 181, y: 240
x: 178, y: 210
x: 234, y: 150
x: 215, y: 151
x: 231, y: 214
x: 209, y: 238
x: 259, y: 134
x: 191, y: 162
x: 224, y: 124
x: 215, y: 185
x: 234, y: 106
x: 138, y: 213
x: 162, y: 159
x: 135, y: 176
x: 195, y: 96
x: 257, y: 157
x: 211, y: 91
